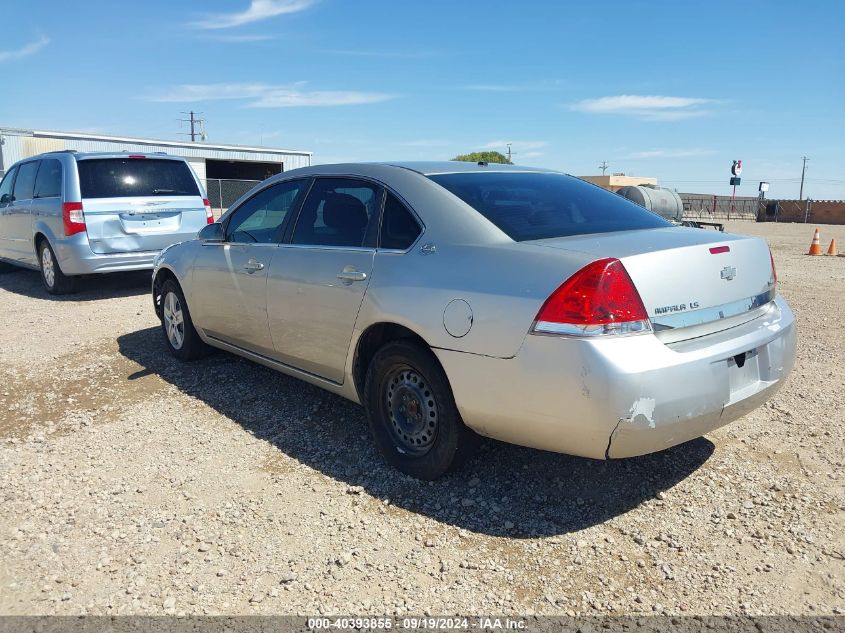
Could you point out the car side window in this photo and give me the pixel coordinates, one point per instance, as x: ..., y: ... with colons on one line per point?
x: 25, y: 182
x: 399, y: 227
x: 259, y: 219
x: 338, y: 212
x: 48, y: 182
x: 6, y: 186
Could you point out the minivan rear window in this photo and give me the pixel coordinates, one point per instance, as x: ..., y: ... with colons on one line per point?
x: 535, y: 206
x: 130, y: 177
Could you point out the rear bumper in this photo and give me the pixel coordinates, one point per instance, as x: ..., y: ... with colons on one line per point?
x: 76, y: 258
x: 624, y: 396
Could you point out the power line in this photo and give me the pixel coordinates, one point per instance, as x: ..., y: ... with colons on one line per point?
x: 803, y: 171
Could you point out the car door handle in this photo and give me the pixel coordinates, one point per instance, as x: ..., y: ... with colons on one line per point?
x: 352, y: 275
x: 253, y: 266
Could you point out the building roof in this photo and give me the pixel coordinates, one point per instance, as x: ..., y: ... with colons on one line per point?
x: 148, y: 141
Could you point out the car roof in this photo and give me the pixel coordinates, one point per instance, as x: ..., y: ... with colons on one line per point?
x: 87, y: 155
x: 429, y: 168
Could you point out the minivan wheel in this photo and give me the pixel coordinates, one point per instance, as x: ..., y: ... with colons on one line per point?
x: 412, y: 414
x: 179, y: 332
x: 55, y: 281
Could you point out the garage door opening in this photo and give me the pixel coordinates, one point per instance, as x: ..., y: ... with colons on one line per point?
x: 228, y: 180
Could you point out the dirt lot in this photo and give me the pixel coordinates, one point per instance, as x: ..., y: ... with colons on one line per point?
x: 132, y: 484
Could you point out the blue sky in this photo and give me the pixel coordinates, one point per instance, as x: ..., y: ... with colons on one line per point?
x: 675, y: 90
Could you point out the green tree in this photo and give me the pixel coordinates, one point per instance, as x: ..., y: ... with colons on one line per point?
x: 483, y: 157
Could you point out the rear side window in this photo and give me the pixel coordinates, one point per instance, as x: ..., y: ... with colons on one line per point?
x: 399, y: 228
x: 48, y: 182
x: 129, y: 177
x: 530, y: 206
x: 25, y: 182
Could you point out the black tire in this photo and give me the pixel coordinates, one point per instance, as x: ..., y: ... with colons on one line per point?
x: 54, y: 280
x: 192, y: 346
x: 405, y: 388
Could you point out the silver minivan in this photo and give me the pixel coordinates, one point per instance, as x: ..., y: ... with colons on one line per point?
x: 70, y: 214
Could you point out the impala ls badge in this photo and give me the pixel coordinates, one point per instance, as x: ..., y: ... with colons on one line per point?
x: 728, y: 273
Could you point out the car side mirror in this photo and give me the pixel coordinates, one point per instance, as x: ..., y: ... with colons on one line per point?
x: 212, y: 233
x: 5, y: 198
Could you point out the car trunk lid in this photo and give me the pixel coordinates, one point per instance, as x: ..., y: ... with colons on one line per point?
x: 692, y: 282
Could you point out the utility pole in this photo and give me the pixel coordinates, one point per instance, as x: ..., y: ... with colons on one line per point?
x: 603, y: 167
x: 510, y: 154
x: 803, y: 170
x: 197, y: 126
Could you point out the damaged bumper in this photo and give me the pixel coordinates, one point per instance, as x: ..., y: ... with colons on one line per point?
x: 625, y: 396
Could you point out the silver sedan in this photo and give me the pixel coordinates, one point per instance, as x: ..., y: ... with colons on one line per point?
x: 454, y: 300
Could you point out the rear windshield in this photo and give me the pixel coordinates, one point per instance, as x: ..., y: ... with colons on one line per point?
x: 530, y: 206
x: 125, y: 177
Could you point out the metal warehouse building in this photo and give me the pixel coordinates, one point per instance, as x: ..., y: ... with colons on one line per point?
x: 227, y: 171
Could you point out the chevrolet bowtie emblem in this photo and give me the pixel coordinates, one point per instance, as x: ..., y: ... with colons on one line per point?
x: 728, y: 273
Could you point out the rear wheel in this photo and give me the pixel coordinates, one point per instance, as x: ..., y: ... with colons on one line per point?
x: 55, y: 281
x: 179, y: 332
x: 412, y: 414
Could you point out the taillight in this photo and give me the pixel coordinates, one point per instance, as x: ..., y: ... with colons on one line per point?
x: 209, y: 216
x: 598, y: 299
x: 73, y: 218
x: 774, y: 270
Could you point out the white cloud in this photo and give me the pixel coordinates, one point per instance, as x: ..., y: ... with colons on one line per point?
x: 646, y: 107
x: 268, y: 96
x: 516, y: 145
x: 26, y: 50
x: 237, y: 39
x: 292, y: 98
x: 257, y: 10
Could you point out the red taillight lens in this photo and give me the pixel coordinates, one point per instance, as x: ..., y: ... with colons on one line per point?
x: 209, y: 216
x: 598, y: 299
x: 73, y: 218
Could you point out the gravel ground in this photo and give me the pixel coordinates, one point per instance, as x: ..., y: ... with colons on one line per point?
x: 132, y: 484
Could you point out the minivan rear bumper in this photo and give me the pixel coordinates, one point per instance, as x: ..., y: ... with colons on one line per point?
x: 76, y: 258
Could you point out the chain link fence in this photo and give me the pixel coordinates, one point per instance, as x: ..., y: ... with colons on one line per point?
x: 222, y: 193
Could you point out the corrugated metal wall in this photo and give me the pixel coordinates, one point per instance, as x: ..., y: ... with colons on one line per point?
x: 19, y: 144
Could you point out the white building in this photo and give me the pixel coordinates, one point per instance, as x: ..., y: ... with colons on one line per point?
x: 227, y: 170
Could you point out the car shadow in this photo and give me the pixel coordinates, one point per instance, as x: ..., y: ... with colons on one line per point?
x: 26, y: 282
x: 504, y: 491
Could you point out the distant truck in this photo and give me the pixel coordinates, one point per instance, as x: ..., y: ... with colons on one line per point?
x: 664, y: 202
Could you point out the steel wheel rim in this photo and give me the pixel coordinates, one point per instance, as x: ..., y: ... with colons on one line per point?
x: 48, y: 267
x: 413, y: 418
x: 174, y: 320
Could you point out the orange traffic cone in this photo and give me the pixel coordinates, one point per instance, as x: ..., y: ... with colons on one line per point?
x: 831, y: 250
x: 815, y: 245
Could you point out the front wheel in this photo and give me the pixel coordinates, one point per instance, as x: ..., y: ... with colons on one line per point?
x: 412, y: 414
x: 182, y: 338
x: 55, y: 281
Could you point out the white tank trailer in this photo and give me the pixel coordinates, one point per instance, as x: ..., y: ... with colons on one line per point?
x: 664, y: 202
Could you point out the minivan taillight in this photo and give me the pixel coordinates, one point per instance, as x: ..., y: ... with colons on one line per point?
x: 599, y: 299
x: 73, y: 218
x: 209, y: 216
